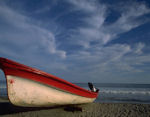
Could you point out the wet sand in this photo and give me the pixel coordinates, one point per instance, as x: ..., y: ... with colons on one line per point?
x: 88, y: 110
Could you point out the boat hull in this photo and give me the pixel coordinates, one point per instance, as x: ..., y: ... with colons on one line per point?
x: 30, y: 87
x: 28, y: 93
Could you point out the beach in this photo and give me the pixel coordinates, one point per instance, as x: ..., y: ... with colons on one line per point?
x: 84, y: 110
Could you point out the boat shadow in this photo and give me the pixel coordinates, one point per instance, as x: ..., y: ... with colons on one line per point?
x: 8, y: 108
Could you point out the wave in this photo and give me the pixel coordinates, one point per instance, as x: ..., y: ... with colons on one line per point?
x: 144, y: 92
x: 3, y: 84
x: 2, y: 87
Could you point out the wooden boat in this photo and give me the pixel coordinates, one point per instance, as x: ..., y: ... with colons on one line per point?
x: 29, y: 87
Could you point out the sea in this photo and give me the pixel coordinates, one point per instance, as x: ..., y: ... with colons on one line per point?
x: 121, y: 93
x: 110, y: 92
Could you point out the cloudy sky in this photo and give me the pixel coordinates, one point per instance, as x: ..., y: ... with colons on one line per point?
x: 79, y: 40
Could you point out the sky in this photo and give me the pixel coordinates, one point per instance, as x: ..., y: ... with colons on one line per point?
x: 79, y: 40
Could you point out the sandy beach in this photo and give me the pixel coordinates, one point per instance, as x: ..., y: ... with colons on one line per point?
x: 88, y: 110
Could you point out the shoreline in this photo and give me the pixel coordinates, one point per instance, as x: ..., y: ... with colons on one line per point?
x: 88, y: 110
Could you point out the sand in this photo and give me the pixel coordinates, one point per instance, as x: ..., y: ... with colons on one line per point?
x: 88, y: 110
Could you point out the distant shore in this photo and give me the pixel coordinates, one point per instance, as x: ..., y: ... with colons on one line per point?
x: 88, y: 110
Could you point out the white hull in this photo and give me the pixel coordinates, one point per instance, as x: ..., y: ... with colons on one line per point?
x: 28, y: 93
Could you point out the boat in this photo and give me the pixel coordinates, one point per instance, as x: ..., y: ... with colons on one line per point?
x: 30, y: 87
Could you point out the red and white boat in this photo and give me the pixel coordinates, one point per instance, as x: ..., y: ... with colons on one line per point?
x: 29, y: 87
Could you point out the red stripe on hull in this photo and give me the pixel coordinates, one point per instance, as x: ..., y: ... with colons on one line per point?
x: 12, y: 68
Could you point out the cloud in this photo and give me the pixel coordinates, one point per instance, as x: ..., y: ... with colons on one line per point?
x: 84, y: 5
x: 25, y: 33
x: 93, y: 22
x: 95, y: 27
x: 114, y: 62
x: 139, y: 47
x: 130, y: 17
x: 98, y: 58
x: 78, y: 49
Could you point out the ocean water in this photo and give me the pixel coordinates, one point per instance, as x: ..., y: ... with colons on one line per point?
x: 3, y: 89
x: 121, y: 93
x: 111, y: 93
